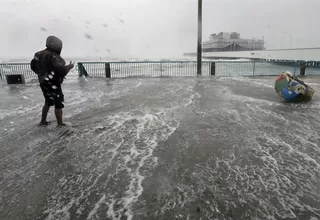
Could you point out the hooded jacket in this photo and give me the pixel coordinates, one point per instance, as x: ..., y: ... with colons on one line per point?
x: 48, y: 64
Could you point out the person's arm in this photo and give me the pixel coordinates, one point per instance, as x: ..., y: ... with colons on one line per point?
x: 59, y: 67
x: 33, y: 64
x: 70, y: 66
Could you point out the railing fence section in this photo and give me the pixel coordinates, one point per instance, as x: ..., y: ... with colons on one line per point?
x: 163, y: 69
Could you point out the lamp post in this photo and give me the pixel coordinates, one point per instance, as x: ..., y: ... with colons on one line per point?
x: 199, y: 53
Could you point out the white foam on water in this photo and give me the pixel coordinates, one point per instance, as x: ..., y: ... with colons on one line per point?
x: 96, y: 207
x: 249, y: 109
x: 259, y: 82
x: 62, y: 213
x: 4, y: 113
x: 121, y: 156
x: 81, y: 97
x: 111, y: 213
x: 125, y: 143
x: 140, y: 156
x: 79, y: 100
x: 312, y: 84
x: 139, y: 84
x: 277, y: 163
x: 229, y: 95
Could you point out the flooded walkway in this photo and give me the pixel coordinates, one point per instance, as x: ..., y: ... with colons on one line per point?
x: 170, y: 148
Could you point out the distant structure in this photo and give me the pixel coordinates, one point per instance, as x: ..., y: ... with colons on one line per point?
x: 224, y: 41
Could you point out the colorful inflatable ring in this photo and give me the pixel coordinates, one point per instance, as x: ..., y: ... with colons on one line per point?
x: 290, y: 88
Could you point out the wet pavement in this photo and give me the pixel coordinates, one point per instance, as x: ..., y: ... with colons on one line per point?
x: 167, y: 148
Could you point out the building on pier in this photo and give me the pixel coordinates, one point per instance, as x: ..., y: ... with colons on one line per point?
x: 225, y: 41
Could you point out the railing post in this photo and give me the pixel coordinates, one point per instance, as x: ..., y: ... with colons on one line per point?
x: 213, y: 69
x: 303, y: 67
x: 0, y: 72
x: 80, y: 72
x: 254, y: 68
x: 108, y: 70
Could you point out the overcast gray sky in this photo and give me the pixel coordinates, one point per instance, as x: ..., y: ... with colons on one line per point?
x: 150, y: 28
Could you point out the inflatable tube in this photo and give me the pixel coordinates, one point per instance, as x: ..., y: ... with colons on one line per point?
x: 290, y: 88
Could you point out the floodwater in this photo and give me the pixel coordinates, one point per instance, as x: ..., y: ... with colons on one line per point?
x: 161, y: 148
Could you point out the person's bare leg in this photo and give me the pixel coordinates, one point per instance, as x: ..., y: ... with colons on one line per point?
x: 45, y: 110
x: 59, y: 113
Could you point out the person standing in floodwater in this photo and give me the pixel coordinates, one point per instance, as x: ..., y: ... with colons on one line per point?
x: 51, y: 69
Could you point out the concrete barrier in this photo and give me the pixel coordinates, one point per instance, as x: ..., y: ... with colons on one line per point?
x: 15, y: 79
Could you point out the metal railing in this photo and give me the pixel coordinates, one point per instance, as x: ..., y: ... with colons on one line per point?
x: 16, y: 69
x: 164, y: 69
x: 252, y: 68
x: 181, y: 69
x: 143, y: 69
